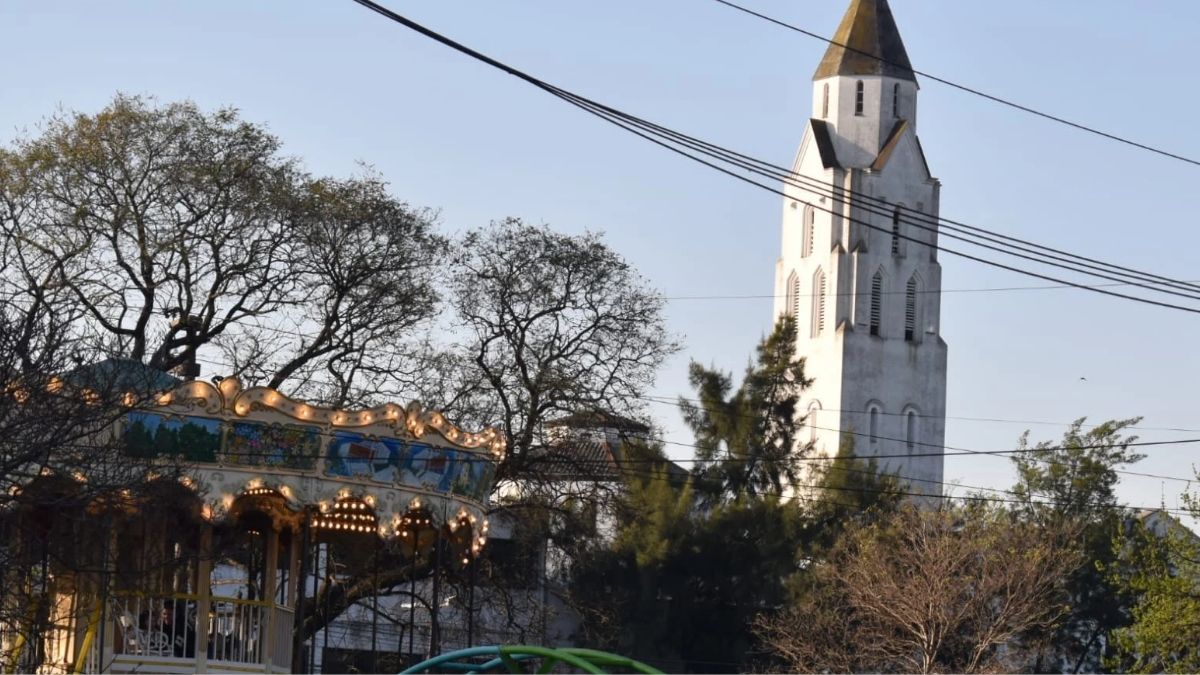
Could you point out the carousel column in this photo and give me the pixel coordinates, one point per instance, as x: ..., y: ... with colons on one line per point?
x: 204, y: 596
x: 294, y: 571
x: 267, y: 632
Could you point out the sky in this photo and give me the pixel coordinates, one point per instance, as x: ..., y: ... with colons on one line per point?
x: 343, y: 86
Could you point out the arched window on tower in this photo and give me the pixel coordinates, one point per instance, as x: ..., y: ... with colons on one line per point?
x: 896, y: 248
x: 910, y: 308
x: 896, y: 100
x: 876, y: 301
x: 858, y: 98
x: 873, y: 423
x: 910, y: 430
x: 818, y: 303
x: 793, y: 295
x: 810, y: 225
x: 825, y: 101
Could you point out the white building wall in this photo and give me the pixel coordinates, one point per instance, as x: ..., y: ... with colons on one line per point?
x: 854, y: 370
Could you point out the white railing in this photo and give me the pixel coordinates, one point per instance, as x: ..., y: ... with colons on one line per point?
x: 237, y: 629
x: 166, y: 627
x: 155, y: 626
x: 281, y: 637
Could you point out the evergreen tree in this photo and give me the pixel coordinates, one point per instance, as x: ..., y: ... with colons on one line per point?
x: 1074, y: 482
x: 747, y: 440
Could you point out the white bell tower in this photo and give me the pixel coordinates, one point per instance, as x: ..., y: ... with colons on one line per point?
x: 859, y: 267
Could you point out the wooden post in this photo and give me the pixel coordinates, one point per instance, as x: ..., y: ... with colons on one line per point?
x: 204, y: 595
x: 266, y: 635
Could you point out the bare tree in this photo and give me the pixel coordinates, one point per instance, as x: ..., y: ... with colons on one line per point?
x: 555, y: 324
x: 924, y: 591
x: 62, y: 473
x: 166, y: 229
x: 364, y: 277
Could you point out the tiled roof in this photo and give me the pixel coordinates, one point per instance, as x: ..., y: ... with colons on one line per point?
x: 595, y: 419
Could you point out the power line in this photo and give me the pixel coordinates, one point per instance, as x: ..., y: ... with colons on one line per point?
x: 669, y: 140
x: 776, y: 172
x: 909, y: 493
x: 655, y: 134
x: 953, y: 451
x: 997, y: 289
x: 672, y: 401
x: 964, y: 88
x: 957, y: 451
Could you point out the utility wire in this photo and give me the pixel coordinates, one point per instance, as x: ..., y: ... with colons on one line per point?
x: 997, y: 289
x: 964, y: 88
x: 953, y: 451
x: 625, y: 122
x: 666, y: 400
x: 957, y: 451
x: 934, y: 224
x: 670, y: 140
x: 949, y: 498
x: 777, y: 172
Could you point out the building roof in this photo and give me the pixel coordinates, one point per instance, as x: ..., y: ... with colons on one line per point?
x: 873, y: 41
x: 824, y: 141
x: 119, y: 375
x: 597, y: 419
x: 593, y: 460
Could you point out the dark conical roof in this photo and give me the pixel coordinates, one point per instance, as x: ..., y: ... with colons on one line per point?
x: 875, y: 47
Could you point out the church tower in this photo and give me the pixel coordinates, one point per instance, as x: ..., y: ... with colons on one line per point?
x: 859, y: 267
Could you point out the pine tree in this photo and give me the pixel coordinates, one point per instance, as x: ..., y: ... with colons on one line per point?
x: 747, y: 440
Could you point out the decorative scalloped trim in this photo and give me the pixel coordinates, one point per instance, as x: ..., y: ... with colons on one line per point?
x: 229, y: 396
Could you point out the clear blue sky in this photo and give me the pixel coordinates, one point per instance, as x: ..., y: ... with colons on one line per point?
x: 340, y: 85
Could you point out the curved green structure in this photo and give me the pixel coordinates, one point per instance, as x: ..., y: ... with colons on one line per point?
x: 528, y: 659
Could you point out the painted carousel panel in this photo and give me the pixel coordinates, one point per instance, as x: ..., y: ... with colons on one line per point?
x: 291, y: 446
x: 195, y: 439
x: 395, y: 462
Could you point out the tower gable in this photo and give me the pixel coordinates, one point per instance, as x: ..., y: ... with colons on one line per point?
x: 903, y: 149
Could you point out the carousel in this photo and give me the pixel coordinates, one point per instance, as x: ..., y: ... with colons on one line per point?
x: 267, y: 515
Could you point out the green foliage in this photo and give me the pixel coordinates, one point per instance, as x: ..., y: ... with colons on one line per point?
x: 1078, y: 474
x: 747, y: 440
x: 1159, y: 571
x: 680, y: 586
x: 1074, y: 481
x: 848, y: 490
x: 692, y: 565
x: 664, y: 520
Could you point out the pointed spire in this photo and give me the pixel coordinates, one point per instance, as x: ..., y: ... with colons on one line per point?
x: 870, y: 31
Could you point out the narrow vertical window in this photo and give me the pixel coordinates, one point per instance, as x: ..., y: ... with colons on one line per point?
x: 793, y: 295
x: 910, y: 310
x: 825, y: 101
x: 809, y: 225
x: 818, y: 303
x: 896, y: 100
x: 876, y: 301
x: 896, y: 231
x: 813, y: 409
x: 873, y: 425
x: 910, y: 430
x: 858, y: 98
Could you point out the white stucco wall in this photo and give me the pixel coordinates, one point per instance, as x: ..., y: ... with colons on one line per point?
x: 854, y: 370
